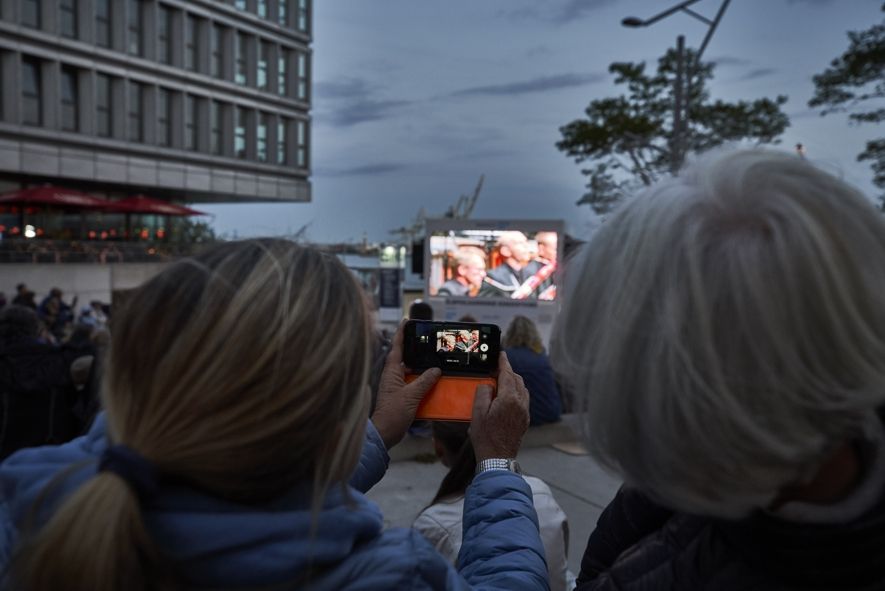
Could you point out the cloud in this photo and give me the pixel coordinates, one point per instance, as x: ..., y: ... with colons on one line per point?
x: 360, y: 111
x: 541, y: 84
x: 365, y: 170
x: 561, y: 12
x: 758, y: 73
x: 343, y: 88
x: 353, y: 102
x: 730, y: 60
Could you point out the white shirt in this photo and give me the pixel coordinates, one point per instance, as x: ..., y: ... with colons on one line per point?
x: 441, y: 525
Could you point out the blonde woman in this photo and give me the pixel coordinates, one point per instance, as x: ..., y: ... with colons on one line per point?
x: 525, y: 350
x: 229, y: 435
x: 724, y: 334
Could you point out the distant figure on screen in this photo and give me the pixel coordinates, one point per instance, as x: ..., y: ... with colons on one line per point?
x: 544, y: 263
x: 507, y: 277
x: 469, y: 273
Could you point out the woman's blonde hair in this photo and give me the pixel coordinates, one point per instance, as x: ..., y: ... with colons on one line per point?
x: 726, y: 329
x: 522, y: 332
x: 240, y: 372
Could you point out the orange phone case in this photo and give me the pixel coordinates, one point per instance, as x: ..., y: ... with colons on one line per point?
x: 451, y: 398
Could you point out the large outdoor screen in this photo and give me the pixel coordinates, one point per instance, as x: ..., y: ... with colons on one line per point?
x: 489, y: 263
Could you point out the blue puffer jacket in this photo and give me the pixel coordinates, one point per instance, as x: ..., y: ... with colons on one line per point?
x: 220, y: 544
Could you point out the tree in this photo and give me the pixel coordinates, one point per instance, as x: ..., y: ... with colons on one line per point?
x: 855, y: 78
x: 629, y: 142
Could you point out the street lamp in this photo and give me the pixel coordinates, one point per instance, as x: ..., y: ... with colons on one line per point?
x: 680, y: 111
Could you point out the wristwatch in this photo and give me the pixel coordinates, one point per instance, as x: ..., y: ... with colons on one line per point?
x: 508, y: 464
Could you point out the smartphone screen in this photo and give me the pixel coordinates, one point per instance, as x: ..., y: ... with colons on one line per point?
x: 458, y: 348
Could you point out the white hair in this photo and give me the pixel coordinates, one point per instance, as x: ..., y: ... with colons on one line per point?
x: 725, y: 330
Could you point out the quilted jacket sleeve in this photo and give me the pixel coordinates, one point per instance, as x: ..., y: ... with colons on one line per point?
x: 373, y: 461
x: 501, y: 548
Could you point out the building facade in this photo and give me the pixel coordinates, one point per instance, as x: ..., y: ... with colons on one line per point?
x: 199, y: 100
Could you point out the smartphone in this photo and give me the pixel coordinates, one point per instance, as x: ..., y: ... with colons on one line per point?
x: 457, y: 348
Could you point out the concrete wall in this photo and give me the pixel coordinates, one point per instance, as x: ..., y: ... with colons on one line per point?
x: 86, y: 281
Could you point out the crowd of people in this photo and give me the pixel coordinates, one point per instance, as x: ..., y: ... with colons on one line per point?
x: 722, y: 336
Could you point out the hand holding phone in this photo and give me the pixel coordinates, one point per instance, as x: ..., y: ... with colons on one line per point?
x: 466, y: 352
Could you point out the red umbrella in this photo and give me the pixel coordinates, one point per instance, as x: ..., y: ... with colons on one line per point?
x: 50, y: 195
x: 147, y: 205
x: 141, y: 204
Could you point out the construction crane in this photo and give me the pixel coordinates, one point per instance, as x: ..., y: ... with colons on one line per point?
x: 462, y: 208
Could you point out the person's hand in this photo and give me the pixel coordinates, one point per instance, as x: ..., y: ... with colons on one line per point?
x: 397, y: 401
x: 500, y: 422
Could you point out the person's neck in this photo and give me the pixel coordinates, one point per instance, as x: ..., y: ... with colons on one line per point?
x: 514, y: 264
x: 837, y: 477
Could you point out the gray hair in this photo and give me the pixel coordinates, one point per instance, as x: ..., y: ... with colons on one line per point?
x: 726, y: 329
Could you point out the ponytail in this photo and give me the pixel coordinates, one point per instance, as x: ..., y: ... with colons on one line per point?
x: 96, y: 541
x: 454, y: 437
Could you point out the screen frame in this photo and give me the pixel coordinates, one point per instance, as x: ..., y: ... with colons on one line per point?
x: 435, y: 226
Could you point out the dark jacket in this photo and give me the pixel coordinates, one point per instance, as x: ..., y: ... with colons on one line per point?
x: 37, y: 396
x: 545, y: 403
x: 640, y: 546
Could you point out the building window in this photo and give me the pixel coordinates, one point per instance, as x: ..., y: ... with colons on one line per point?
x: 261, y: 136
x: 32, y: 92
x: 136, y: 110
x: 215, y: 118
x: 215, y: 36
x: 31, y: 13
x: 240, y: 133
x: 263, y: 58
x: 164, y: 117
x: 240, y: 77
x: 283, y: 13
x: 164, y: 32
x: 302, y: 144
x: 67, y: 12
x: 282, y: 82
x: 190, y: 43
x: 261, y: 8
x: 103, y: 23
x: 282, y: 128
x: 69, y: 105
x: 103, y: 105
x: 134, y: 18
x: 303, y: 15
x: 302, y: 76
x: 240, y: 4
x: 191, y: 126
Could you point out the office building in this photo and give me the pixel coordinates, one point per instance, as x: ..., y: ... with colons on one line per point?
x: 198, y: 101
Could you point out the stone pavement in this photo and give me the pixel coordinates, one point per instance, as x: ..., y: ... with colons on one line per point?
x: 580, y: 486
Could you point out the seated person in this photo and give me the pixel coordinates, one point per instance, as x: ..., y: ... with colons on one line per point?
x: 726, y: 330
x: 524, y: 349
x: 221, y: 463
x: 441, y: 522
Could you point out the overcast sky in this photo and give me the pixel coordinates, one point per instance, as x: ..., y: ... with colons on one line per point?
x: 413, y: 100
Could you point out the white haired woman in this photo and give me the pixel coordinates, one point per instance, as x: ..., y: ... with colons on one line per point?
x: 725, y: 334
x: 236, y: 406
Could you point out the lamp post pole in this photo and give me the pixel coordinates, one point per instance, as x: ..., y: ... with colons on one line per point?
x: 682, y: 85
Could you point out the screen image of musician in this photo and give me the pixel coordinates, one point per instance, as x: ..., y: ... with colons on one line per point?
x: 507, y: 264
x: 457, y: 341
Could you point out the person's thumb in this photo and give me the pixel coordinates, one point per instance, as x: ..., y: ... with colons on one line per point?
x: 482, y: 399
x: 423, y: 383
